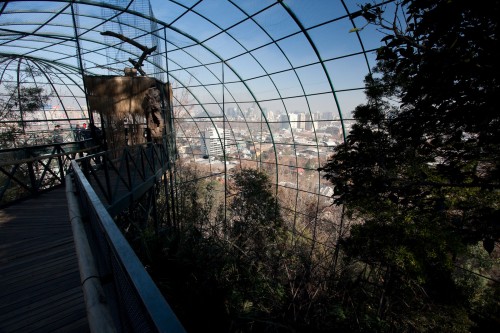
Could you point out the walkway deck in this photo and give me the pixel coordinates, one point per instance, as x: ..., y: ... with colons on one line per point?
x: 39, y: 279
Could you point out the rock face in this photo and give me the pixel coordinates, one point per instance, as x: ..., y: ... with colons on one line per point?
x: 152, y: 110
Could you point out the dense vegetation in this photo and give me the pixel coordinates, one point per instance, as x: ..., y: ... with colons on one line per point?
x: 17, y: 102
x: 421, y: 165
x: 417, y: 177
x: 226, y: 268
x: 242, y: 270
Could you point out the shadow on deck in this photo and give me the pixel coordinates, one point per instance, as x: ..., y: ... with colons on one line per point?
x: 39, y: 277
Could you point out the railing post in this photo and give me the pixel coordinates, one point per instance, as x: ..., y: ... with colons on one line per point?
x: 104, y: 165
x: 155, y: 210
x: 60, y: 162
x: 127, y: 166
x: 31, y: 173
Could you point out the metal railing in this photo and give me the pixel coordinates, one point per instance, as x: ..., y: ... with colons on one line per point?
x: 120, y: 178
x: 136, y: 303
x: 104, y: 184
x: 27, y: 171
x: 21, y: 139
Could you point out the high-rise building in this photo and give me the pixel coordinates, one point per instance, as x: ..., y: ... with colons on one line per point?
x: 301, y: 120
x: 310, y: 122
x: 270, y: 115
x: 214, y: 141
x: 328, y: 116
x: 284, y: 123
x: 293, y: 118
x: 232, y: 112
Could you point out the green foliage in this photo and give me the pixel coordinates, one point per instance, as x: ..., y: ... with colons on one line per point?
x: 238, y: 271
x: 31, y: 98
x: 421, y: 164
x: 18, y: 100
x: 255, y: 219
x: 24, y: 98
x: 8, y: 135
x: 221, y: 270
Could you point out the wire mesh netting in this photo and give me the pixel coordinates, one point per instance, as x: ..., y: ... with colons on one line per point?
x: 256, y: 84
x: 226, y: 87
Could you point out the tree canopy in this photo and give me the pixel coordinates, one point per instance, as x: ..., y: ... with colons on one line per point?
x: 421, y: 164
x: 428, y: 137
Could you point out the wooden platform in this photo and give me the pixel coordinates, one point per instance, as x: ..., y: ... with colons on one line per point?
x: 39, y: 279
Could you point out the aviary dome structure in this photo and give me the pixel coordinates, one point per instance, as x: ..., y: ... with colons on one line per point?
x: 256, y: 84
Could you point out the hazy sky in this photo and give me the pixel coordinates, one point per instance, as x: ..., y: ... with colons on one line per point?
x: 268, y: 50
x: 296, y: 55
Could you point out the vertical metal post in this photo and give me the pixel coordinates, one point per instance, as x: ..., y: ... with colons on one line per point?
x: 155, y: 210
x: 224, y: 143
x: 60, y: 162
x: 19, y: 95
x: 80, y: 63
x: 104, y: 165
x: 31, y: 173
x: 171, y: 143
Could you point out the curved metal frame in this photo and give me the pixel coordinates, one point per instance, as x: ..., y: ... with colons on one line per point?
x: 86, y: 20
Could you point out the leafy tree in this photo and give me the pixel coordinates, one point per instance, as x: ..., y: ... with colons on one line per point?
x: 255, y: 217
x: 226, y: 275
x: 16, y: 100
x: 421, y: 164
x: 22, y: 99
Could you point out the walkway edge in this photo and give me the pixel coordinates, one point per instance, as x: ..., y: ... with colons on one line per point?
x: 98, y: 314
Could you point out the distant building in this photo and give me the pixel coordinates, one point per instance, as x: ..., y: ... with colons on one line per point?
x: 284, y: 121
x: 301, y: 119
x: 308, y: 125
x: 269, y: 115
x: 328, y: 116
x: 293, y: 119
x: 334, y: 130
x: 214, y: 140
